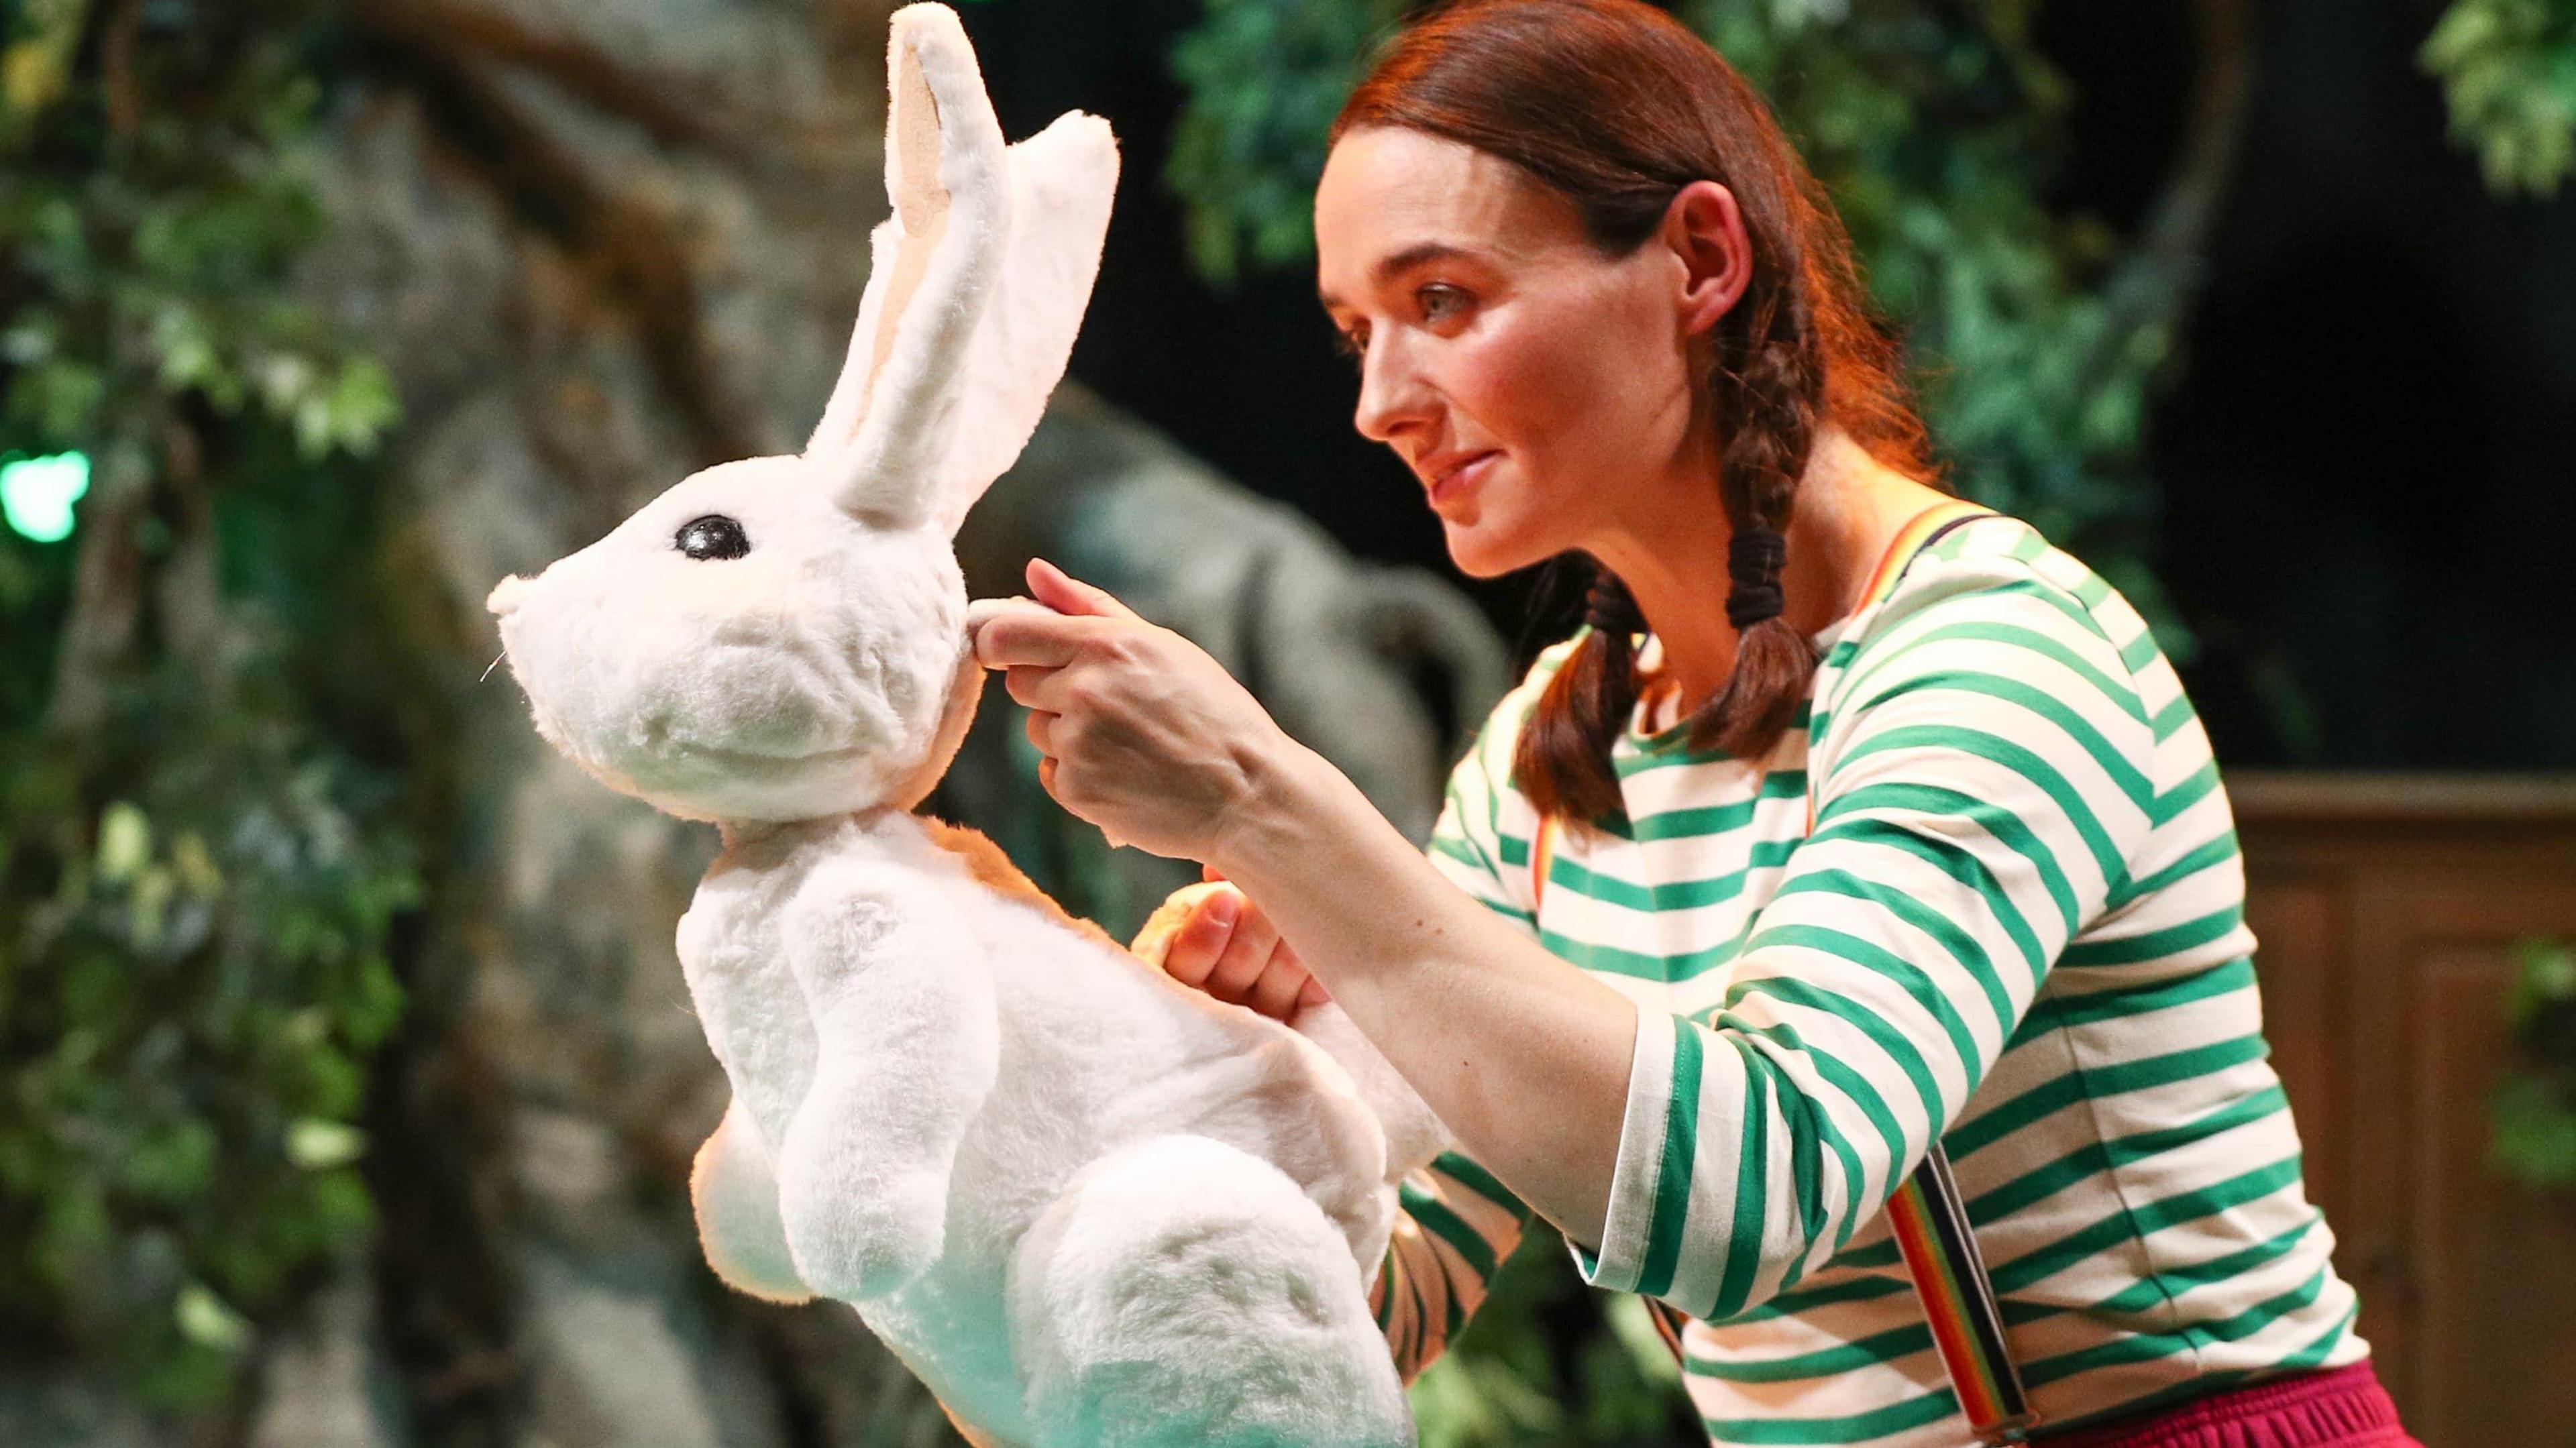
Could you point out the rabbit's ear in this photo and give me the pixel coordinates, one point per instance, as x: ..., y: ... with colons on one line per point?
x: 1062, y: 180
x: 888, y: 436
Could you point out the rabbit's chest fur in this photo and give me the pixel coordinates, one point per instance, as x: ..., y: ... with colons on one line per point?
x: 1097, y: 1050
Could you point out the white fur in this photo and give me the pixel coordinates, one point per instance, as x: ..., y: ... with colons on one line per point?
x: 1086, y: 1204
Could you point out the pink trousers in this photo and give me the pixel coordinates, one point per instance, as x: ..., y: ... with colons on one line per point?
x: 2338, y: 1408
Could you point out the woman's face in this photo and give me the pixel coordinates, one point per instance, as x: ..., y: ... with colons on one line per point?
x: 1538, y: 389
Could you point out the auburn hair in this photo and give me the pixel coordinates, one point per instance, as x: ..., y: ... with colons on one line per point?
x: 1616, y: 107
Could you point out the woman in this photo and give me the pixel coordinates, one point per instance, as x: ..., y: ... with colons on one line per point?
x: 1855, y: 818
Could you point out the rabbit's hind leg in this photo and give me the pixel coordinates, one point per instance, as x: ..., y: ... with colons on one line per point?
x: 1182, y: 1292
x: 734, y: 1188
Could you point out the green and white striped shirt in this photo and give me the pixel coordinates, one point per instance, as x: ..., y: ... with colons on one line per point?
x: 2017, y: 920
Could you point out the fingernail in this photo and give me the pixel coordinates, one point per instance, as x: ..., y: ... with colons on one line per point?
x: 1225, y: 908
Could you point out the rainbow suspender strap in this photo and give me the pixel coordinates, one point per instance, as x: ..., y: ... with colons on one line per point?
x: 1926, y: 1217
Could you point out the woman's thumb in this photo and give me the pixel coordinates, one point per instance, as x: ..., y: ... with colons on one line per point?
x: 1065, y: 593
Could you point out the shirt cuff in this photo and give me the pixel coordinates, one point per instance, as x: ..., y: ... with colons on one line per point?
x: 1619, y: 1263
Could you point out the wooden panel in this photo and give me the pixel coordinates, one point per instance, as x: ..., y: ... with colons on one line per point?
x: 2387, y: 911
x: 2497, y: 1262
x: 2297, y: 927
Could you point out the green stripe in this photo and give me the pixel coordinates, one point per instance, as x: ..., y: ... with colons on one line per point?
x: 1466, y: 1173
x: 2122, y: 694
x: 1616, y: 960
x: 1896, y: 640
x: 2157, y: 944
x: 1872, y: 1351
x: 2128, y: 1223
x: 2163, y: 1287
x: 2005, y: 827
x: 2171, y: 804
x: 2139, y: 652
x: 1932, y: 1407
x: 1796, y: 1304
x: 2322, y: 1346
x: 1752, y: 1176
x: 1629, y: 766
x: 1953, y: 543
x: 1671, y: 1212
x: 2172, y: 717
x: 2208, y: 855
x: 2020, y: 588
x: 2098, y: 1083
x: 1567, y: 874
x: 2124, y: 775
x: 1434, y: 1216
x: 2147, y: 1347
x: 2094, y: 1158
x: 1821, y: 1129
x: 1892, y: 1044
x: 1962, y: 947
x: 1878, y: 960
x: 1837, y: 1073
x: 1698, y: 820
x: 1995, y: 749
x: 2091, y: 1160
x: 2065, y: 1011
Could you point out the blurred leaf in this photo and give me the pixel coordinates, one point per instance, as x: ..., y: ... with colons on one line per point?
x: 315, y: 1144
x: 205, y: 1320
x: 2508, y: 72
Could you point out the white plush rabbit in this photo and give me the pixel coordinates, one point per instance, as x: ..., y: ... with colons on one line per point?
x: 1087, y: 1205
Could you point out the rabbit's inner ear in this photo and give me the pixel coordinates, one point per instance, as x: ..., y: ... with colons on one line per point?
x: 920, y: 202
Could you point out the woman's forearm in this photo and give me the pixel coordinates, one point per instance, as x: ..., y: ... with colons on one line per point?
x: 1525, y: 1057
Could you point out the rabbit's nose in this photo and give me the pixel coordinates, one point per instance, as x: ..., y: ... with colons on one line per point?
x: 506, y: 596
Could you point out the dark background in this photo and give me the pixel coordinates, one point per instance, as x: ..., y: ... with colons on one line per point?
x: 2365, y: 461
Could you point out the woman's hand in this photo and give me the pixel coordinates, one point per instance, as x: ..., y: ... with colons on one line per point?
x: 1213, y: 938
x: 1142, y: 733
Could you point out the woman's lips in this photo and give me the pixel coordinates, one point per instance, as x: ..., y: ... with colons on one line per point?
x: 1460, y: 480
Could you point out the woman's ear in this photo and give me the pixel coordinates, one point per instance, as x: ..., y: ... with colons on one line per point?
x: 1705, y: 230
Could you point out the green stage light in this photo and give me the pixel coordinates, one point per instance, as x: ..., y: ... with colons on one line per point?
x: 37, y: 494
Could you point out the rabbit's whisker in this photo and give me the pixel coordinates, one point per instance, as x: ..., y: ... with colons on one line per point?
x: 496, y: 663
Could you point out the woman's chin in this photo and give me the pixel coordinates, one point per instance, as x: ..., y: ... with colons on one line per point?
x: 1483, y: 553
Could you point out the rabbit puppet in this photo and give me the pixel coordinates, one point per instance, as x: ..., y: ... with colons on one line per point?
x: 1085, y: 1204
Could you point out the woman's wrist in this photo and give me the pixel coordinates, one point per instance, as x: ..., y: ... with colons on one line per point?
x: 1286, y: 788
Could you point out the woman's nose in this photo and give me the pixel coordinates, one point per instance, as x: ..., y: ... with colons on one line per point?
x: 1392, y: 393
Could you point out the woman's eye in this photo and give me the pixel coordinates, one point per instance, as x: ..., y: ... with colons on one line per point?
x: 1440, y: 301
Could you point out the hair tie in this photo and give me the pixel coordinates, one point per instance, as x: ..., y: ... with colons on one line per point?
x: 1609, y: 608
x: 1754, y: 558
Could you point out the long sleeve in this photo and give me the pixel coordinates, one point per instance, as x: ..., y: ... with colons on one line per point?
x: 1457, y: 1223
x: 1978, y: 766
x: 1456, y: 1226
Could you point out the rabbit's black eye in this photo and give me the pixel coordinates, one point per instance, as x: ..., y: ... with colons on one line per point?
x: 713, y: 536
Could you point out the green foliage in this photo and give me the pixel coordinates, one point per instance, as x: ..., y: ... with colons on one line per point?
x: 198, y: 883
x: 1933, y: 125
x: 2508, y: 69
x: 1549, y: 1363
x: 191, y: 982
x: 2535, y: 1109
x: 1265, y: 78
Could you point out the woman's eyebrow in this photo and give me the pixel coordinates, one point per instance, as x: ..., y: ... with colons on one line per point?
x: 1395, y: 264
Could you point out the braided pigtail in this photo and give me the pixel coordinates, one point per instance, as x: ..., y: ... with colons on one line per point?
x: 1562, y: 756
x: 1768, y: 408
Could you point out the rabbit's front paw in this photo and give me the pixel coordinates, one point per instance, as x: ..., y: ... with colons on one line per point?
x: 866, y: 1244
